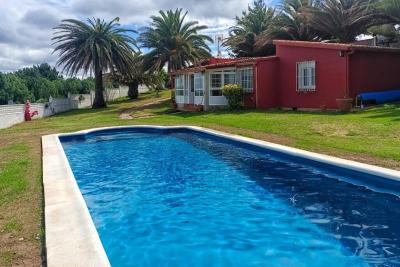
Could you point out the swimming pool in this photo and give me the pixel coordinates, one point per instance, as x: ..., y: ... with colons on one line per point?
x: 179, y: 197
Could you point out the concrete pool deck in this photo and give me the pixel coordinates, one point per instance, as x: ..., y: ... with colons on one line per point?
x: 71, y: 236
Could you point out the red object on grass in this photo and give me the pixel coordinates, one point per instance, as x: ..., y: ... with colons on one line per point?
x: 28, y: 114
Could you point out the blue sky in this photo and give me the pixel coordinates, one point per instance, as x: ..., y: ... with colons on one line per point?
x: 26, y: 25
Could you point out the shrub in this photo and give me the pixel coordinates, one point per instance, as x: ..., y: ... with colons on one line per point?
x: 234, y: 94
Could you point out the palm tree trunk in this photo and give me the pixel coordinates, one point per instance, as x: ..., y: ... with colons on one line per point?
x: 99, y: 101
x: 171, y: 83
x: 133, y: 91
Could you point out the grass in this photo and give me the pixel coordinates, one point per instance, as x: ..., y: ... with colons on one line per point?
x: 13, y: 179
x: 369, y: 136
x: 8, y: 257
x: 13, y: 227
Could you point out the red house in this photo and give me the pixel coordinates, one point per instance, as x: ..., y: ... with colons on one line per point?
x: 301, y: 75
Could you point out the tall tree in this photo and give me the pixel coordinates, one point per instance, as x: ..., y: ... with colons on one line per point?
x: 391, y: 8
x: 12, y: 87
x: 173, y: 41
x: 249, y: 27
x: 344, y: 20
x: 48, y: 72
x: 138, y: 74
x: 94, y: 46
x: 292, y: 23
x: 43, y: 70
x: 390, y: 31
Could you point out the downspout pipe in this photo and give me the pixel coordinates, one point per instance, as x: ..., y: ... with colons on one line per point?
x: 255, y: 78
x: 348, y: 54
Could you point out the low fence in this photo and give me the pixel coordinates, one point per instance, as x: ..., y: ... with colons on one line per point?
x: 10, y: 115
x: 14, y: 114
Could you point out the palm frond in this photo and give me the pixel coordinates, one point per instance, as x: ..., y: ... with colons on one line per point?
x: 174, y: 41
x: 83, y: 46
x: 344, y: 20
x: 253, y: 22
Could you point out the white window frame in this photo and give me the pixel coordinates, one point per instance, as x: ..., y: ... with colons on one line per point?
x: 180, y: 85
x: 306, y: 76
x: 222, y: 74
x: 213, y: 88
x: 198, y: 84
x: 233, y: 74
x: 245, y: 79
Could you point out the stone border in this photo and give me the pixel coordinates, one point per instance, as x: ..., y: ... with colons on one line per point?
x: 71, y: 237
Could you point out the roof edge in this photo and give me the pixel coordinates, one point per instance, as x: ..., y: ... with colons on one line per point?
x: 336, y: 46
x: 240, y: 62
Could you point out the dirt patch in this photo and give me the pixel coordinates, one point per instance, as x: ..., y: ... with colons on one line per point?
x: 273, y: 138
x: 126, y: 114
x: 331, y: 130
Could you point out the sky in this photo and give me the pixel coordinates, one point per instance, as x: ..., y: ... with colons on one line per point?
x: 26, y: 25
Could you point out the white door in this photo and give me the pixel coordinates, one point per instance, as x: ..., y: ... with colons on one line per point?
x: 191, y: 89
x: 199, y: 88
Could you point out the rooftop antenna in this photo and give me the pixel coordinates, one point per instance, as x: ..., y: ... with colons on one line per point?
x: 219, y: 39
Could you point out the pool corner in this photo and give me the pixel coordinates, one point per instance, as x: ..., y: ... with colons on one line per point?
x: 71, y: 237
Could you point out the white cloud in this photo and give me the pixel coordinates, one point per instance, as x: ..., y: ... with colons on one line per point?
x: 26, y: 25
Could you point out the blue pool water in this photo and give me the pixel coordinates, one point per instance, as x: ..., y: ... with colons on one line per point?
x: 177, y: 198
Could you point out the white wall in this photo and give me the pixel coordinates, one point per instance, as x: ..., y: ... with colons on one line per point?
x: 10, y: 115
x: 14, y: 114
x: 86, y: 100
x: 143, y: 88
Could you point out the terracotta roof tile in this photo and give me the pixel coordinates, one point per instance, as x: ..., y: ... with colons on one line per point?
x: 245, y: 61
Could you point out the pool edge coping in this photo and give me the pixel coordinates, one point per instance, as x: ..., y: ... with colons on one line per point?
x: 63, y: 197
x: 318, y: 157
x: 71, y: 236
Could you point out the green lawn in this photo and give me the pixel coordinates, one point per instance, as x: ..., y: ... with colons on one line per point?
x: 370, y: 136
x: 374, y: 132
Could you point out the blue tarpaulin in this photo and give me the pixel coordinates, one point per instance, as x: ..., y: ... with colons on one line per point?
x: 380, y: 97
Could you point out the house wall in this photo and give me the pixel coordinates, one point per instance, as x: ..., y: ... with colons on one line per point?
x: 338, y: 72
x: 330, y: 77
x: 249, y: 99
x: 267, y: 83
x: 373, y: 71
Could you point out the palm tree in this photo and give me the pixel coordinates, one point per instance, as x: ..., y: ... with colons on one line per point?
x: 243, y: 36
x: 95, y: 46
x: 391, y: 8
x: 174, y: 42
x: 137, y: 75
x: 390, y: 31
x: 344, y: 20
x: 293, y: 22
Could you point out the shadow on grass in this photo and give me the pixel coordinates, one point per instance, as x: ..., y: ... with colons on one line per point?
x: 391, y: 111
